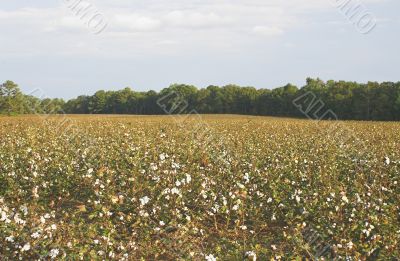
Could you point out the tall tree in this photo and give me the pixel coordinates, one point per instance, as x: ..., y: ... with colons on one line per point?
x: 10, y: 98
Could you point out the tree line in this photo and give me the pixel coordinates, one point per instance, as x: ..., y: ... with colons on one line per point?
x: 346, y: 100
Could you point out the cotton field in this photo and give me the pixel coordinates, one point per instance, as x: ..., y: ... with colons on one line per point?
x: 198, y: 188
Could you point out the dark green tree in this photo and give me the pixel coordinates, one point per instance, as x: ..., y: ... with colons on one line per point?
x: 11, y: 98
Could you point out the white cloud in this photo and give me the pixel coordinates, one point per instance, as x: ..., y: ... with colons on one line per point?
x: 167, y: 42
x: 267, y: 31
x: 181, y: 18
x: 69, y: 22
x: 201, y: 42
x: 137, y: 22
x: 177, y: 19
x: 135, y: 26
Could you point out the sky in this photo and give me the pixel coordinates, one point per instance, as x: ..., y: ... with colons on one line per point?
x: 54, y: 49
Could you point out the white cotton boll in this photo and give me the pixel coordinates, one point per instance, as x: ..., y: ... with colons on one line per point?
x: 175, y: 191
x: 246, y: 177
x: 10, y: 239
x: 211, y: 258
x: 26, y: 247
x: 188, y: 178
x: 54, y: 253
x: 144, y: 200
x: 162, y: 157
x: 3, y: 216
x: 153, y: 167
x: 251, y: 255
x: 35, y: 235
x: 18, y: 220
x: 350, y: 245
x: 387, y: 160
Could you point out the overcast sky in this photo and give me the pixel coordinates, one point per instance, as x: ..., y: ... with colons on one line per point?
x: 149, y: 44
